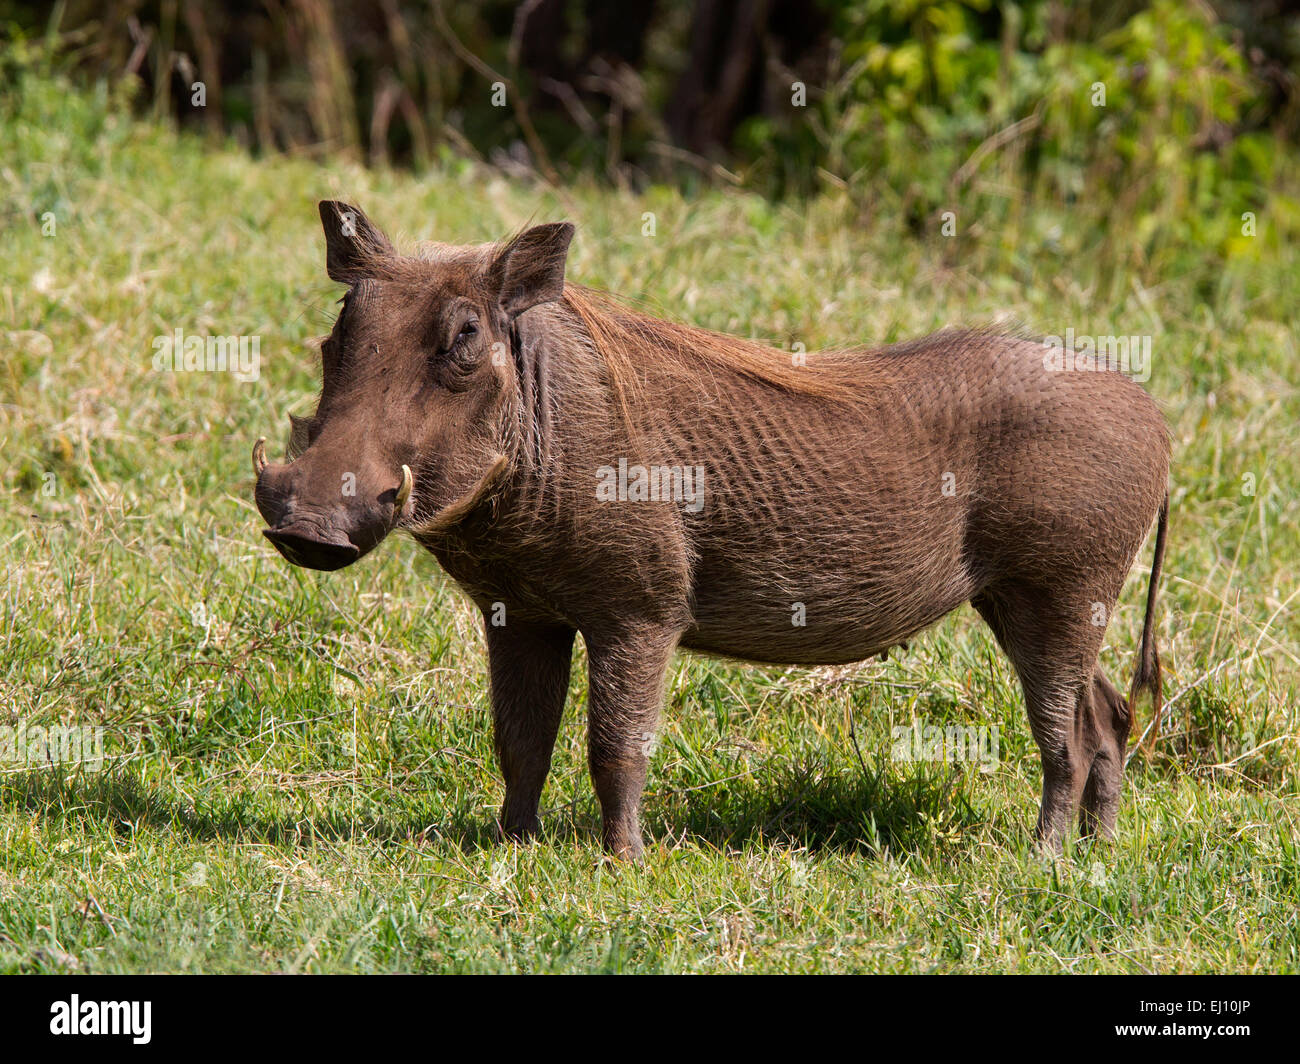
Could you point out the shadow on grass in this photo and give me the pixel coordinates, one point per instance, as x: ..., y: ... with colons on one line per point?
x: 125, y: 804
x: 802, y: 805
x: 923, y: 810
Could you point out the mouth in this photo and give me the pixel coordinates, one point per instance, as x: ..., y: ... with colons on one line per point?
x: 312, y: 549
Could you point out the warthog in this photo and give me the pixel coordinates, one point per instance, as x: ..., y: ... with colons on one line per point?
x: 510, y: 422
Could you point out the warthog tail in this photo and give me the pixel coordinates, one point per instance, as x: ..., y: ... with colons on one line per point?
x: 1147, y: 674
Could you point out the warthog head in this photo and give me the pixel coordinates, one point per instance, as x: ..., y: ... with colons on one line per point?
x: 418, y: 386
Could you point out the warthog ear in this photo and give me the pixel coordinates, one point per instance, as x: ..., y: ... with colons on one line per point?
x: 352, y: 243
x: 530, y: 269
x: 299, y: 428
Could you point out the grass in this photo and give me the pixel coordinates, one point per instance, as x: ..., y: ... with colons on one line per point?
x: 300, y: 774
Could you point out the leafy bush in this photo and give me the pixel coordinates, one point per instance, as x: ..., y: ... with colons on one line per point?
x: 1148, y: 124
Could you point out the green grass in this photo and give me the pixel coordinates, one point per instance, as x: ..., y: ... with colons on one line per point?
x: 306, y: 781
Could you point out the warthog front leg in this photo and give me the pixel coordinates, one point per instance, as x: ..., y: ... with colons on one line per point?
x: 626, y: 682
x: 529, y: 664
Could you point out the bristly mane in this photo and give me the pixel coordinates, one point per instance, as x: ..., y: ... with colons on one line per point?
x: 628, y: 339
x: 635, y: 345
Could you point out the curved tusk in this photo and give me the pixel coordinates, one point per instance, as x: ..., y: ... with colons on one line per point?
x: 404, y: 492
x: 259, y: 456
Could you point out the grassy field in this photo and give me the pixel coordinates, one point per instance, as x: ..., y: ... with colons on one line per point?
x: 299, y: 770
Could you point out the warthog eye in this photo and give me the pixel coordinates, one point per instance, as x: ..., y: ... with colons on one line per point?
x: 467, y: 330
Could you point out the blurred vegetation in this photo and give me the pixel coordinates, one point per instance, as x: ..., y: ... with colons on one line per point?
x: 1144, y: 134
x: 1159, y: 110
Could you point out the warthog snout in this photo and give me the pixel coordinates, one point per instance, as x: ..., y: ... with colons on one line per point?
x: 317, y: 532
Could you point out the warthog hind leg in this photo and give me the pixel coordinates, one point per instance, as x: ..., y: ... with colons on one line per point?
x: 1112, y: 720
x: 1052, y: 640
